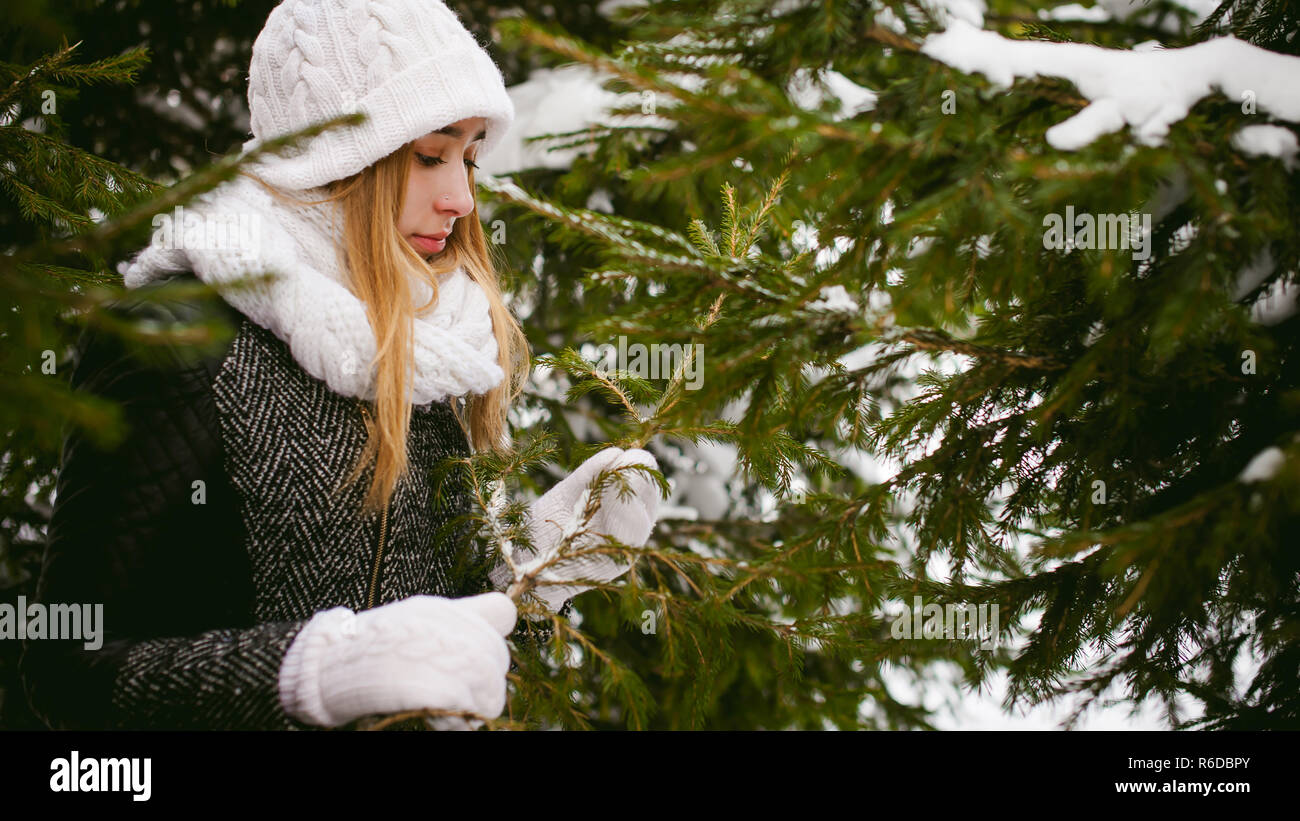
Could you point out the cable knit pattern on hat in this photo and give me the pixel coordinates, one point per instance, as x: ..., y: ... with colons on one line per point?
x: 307, y: 302
x: 410, y: 66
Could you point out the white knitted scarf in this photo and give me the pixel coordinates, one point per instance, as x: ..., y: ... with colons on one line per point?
x: 239, y: 229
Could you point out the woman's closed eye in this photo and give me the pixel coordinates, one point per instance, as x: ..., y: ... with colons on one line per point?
x: 426, y: 160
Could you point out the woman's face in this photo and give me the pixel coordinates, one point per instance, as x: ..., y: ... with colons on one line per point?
x: 437, y: 187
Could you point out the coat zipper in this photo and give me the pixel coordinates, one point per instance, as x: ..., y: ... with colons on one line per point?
x: 374, y: 578
x: 383, y: 533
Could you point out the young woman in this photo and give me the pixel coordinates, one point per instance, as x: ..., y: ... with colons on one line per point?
x: 264, y: 543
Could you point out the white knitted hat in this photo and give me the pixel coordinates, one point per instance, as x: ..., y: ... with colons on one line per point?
x: 409, y: 65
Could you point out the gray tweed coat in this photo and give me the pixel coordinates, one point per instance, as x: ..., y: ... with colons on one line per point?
x: 218, y: 528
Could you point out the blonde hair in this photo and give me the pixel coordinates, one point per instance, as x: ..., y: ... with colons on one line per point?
x: 379, y: 261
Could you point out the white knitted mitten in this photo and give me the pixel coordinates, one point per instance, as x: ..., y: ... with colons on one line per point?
x: 420, y: 652
x: 550, y: 517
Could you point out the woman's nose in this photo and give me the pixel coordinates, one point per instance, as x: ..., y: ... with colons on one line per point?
x: 457, y: 200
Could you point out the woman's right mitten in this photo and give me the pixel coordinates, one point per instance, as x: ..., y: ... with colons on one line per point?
x: 551, y: 517
x: 629, y: 520
x: 420, y: 652
x: 554, y: 509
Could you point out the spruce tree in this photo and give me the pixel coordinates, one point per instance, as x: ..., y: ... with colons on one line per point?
x: 1092, y: 427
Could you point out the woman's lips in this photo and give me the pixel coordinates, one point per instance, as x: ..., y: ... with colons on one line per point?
x: 428, y: 244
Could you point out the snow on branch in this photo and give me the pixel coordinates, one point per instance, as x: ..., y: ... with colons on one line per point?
x: 1148, y: 90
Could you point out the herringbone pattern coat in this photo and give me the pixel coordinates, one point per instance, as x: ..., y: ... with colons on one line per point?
x: 216, y: 530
